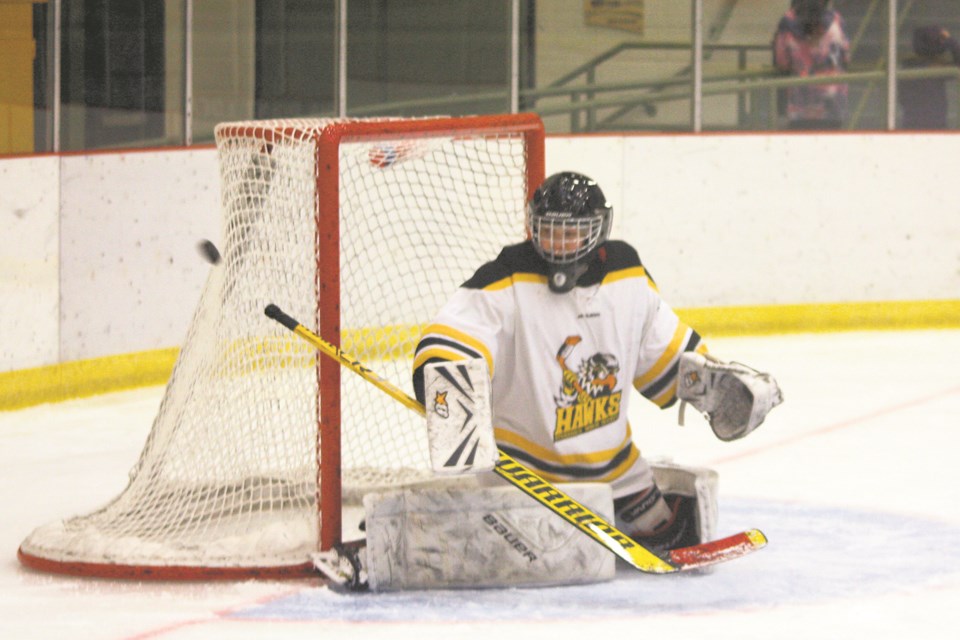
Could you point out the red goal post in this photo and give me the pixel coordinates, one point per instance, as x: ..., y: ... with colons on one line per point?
x: 364, y: 227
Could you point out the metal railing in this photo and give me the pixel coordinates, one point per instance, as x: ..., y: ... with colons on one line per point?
x: 594, y: 106
x: 584, y: 102
x: 644, y: 94
x: 586, y: 119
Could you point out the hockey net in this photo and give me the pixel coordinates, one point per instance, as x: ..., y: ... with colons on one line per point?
x: 360, y: 229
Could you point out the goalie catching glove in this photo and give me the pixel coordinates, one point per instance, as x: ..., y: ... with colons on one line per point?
x: 733, y: 397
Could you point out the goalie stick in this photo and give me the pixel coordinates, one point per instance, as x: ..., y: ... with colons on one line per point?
x: 585, y: 520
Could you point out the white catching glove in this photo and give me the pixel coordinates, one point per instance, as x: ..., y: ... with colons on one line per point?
x: 733, y: 397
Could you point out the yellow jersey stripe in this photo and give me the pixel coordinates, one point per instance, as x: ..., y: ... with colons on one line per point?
x: 435, y: 352
x: 632, y: 272
x: 459, y: 336
x: 509, y: 281
x: 548, y: 455
x: 622, y: 468
x: 665, y: 396
x: 664, y: 360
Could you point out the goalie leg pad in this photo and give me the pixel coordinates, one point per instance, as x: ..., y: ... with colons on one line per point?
x: 695, y: 483
x: 678, y: 510
x: 480, y: 537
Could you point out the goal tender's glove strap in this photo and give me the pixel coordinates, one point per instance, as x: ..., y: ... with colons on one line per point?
x: 733, y: 397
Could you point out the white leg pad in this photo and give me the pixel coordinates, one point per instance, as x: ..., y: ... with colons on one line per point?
x: 442, y: 538
x: 694, y: 482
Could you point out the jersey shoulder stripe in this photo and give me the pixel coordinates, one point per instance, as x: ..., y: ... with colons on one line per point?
x: 510, y: 280
x: 520, y: 263
x: 620, y: 255
x: 515, y: 261
x: 622, y: 261
x: 630, y: 272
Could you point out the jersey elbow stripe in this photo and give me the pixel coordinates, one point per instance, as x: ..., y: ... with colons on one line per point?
x: 667, y: 398
x: 666, y: 359
x: 669, y: 379
x: 470, y: 346
x: 663, y: 375
x: 440, y: 344
x: 445, y: 355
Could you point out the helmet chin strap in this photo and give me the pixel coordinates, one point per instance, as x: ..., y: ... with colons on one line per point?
x: 563, y: 278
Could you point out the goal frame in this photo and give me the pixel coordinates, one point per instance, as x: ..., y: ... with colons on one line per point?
x: 329, y: 489
x: 530, y: 126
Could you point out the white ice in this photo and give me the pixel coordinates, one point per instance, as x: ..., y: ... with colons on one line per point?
x: 855, y: 480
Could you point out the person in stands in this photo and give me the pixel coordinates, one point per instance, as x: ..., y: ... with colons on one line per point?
x: 923, y: 101
x: 811, y: 41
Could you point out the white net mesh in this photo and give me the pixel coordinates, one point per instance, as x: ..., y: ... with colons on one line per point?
x: 228, y: 476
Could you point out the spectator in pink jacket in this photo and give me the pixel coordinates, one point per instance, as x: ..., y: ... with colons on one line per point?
x: 810, y: 41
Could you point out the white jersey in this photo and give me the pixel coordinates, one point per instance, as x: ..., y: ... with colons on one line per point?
x: 562, y: 364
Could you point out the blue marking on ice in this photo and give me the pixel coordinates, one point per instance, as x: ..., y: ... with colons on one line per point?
x: 815, y: 553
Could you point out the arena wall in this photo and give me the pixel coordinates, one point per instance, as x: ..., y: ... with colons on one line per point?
x: 98, y: 259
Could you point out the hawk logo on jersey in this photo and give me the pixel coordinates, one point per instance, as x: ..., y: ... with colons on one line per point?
x: 440, y: 406
x: 587, y: 399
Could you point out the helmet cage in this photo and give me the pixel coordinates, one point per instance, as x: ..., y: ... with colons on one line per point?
x: 565, y: 238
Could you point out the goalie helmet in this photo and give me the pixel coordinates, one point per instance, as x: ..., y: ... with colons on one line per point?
x: 568, y: 219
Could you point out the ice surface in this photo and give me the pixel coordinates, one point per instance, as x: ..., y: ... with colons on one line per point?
x: 854, y: 479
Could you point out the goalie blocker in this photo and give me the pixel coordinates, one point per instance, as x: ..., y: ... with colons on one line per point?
x: 448, y: 535
x: 459, y: 427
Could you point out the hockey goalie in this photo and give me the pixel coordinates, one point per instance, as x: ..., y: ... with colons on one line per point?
x: 536, y: 354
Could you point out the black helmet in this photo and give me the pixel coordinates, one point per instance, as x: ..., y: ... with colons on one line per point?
x: 568, y: 219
